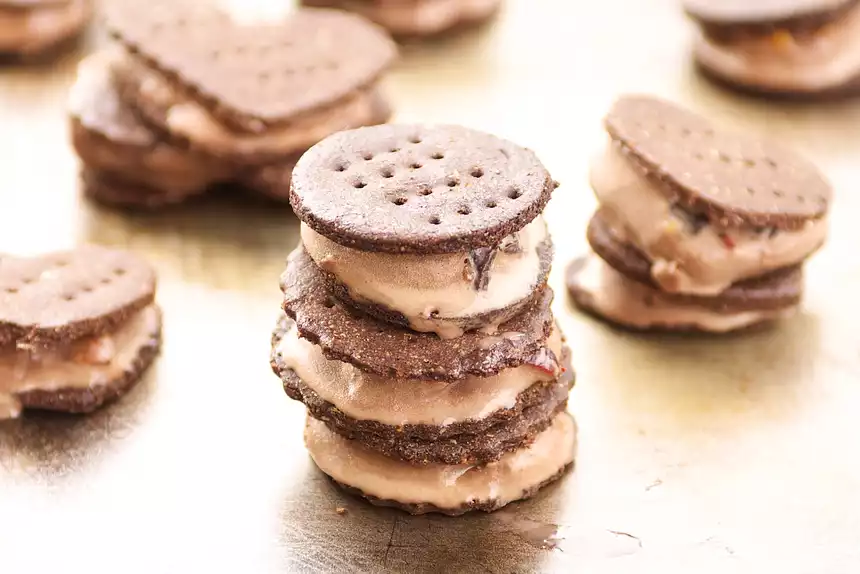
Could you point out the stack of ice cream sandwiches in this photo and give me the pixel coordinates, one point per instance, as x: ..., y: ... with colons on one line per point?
x: 418, y: 330
x: 189, y: 97
x: 698, y: 228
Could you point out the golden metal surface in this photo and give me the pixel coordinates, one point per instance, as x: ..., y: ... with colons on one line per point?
x: 730, y: 454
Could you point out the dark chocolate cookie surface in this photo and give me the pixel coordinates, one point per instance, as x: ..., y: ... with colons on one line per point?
x: 777, y: 290
x: 71, y: 294
x: 734, y: 179
x: 418, y: 189
x: 246, y: 73
x: 392, y: 351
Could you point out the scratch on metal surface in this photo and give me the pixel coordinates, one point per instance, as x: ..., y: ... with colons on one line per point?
x: 626, y: 535
x: 390, y: 544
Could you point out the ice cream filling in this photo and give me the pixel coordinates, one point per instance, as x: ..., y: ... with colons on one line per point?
x: 431, y: 291
x: 825, y: 58
x: 634, y: 304
x: 687, y: 253
x: 30, y: 29
x: 512, y: 477
x: 364, y: 396
x: 187, y: 118
x: 80, y: 364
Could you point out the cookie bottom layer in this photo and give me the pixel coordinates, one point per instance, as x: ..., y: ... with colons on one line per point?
x: 114, y: 190
x: 136, y: 350
x: 448, y: 489
x: 600, y: 290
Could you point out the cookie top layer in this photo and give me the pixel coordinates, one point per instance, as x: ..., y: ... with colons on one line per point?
x: 418, y: 188
x: 773, y: 13
x: 391, y: 351
x: 734, y: 179
x: 71, y: 294
x: 252, y: 75
x: 776, y: 290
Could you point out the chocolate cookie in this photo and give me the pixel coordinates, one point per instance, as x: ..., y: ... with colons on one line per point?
x: 732, y: 179
x: 114, y: 191
x: 256, y: 97
x: 418, y: 189
x: 776, y: 290
x: 470, y: 441
x: 390, y: 351
x: 77, y: 328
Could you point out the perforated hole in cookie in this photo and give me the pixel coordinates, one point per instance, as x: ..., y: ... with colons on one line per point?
x: 70, y: 297
x: 778, y: 193
x: 490, y: 204
x: 425, y: 191
x: 415, y: 165
x: 514, y: 193
x: 416, y: 139
x: 437, y: 155
x: 435, y: 220
x: 340, y: 166
x: 11, y: 290
x: 359, y: 184
x: 477, y: 172
x: 367, y: 156
x: 328, y: 303
x: 464, y: 210
x: 453, y: 181
x: 387, y: 172
x: 119, y: 271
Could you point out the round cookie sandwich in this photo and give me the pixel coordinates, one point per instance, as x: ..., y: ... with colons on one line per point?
x: 418, y: 18
x: 795, y: 48
x: 31, y: 28
x: 435, y: 228
x: 698, y: 227
x: 418, y: 328
x: 77, y: 329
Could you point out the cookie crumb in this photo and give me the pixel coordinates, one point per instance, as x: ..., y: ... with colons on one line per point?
x: 340, y: 510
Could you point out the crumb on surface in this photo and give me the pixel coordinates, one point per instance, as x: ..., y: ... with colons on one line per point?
x: 340, y: 510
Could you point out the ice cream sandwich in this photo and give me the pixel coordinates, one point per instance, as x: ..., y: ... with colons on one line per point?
x: 77, y: 329
x: 190, y: 97
x: 796, y: 48
x: 418, y: 328
x: 698, y: 227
